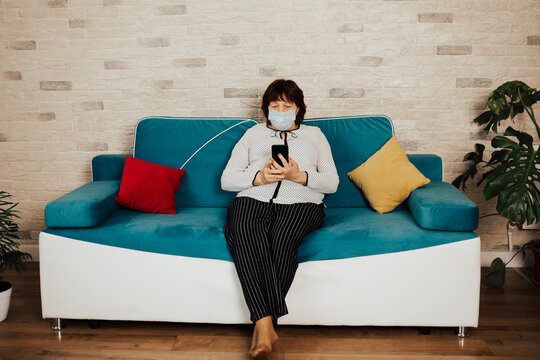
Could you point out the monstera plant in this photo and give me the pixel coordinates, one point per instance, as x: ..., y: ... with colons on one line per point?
x: 513, y: 172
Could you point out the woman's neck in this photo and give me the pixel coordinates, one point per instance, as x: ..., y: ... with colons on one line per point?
x: 294, y: 127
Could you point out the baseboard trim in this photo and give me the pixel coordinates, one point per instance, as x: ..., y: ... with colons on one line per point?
x: 486, y: 257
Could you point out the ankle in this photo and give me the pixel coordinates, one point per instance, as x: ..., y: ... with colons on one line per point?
x: 264, y: 319
x: 264, y: 323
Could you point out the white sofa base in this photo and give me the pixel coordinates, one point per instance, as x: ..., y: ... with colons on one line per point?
x: 435, y: 286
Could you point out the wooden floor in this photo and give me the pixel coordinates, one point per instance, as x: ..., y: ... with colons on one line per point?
x: 509, y: 328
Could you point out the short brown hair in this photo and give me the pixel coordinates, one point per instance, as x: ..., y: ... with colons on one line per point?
x: 285, y: 90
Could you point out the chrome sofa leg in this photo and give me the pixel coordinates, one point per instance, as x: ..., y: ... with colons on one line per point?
x: 57, y: 324
x: 462, y: 332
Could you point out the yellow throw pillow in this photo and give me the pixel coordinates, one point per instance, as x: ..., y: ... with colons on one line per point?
x: 387, y: 177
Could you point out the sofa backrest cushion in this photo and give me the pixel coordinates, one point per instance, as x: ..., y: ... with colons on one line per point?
x: 353, y: 139
x: 172, y: 141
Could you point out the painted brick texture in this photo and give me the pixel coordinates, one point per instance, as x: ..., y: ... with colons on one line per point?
x: 77, y: 75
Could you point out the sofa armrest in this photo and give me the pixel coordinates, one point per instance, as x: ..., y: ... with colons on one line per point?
x: 108, y: 167
x: 85, y: 206
x: 441, y: 206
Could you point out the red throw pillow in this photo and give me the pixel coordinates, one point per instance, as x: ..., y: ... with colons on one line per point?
x: 149, y: 187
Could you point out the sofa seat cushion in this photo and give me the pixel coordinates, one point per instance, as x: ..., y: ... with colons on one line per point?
x: 198, y: 232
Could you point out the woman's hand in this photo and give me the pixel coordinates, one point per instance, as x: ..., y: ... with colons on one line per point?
x: 290, y: 172
x: 268, y: 174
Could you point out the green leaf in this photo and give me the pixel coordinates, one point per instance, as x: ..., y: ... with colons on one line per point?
x: 504, y: 102
x: 502, y: 142
x: 496, y: 276
x: 515, y: 179
x: 510, y: 90
x: 495, y: 183
x: 476, y: 157
x: 523, y: 137
x: 497, y: 103
x: 484, y: 117
x: 499, y: 156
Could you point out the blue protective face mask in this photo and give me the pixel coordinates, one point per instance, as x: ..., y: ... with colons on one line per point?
x: 282, y: 120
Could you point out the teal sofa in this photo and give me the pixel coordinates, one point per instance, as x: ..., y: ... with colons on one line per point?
x: 418, y: 265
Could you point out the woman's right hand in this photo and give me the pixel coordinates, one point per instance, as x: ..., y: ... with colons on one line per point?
x: 268, y: 174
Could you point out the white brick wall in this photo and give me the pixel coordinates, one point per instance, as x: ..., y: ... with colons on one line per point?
x: 76, y: 75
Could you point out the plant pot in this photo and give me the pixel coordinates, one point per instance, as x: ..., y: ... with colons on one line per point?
x: 5, y: 297
x: 535, y: 248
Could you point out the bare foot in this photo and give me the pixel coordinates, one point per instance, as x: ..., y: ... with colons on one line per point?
x: 261, y: 352
x: 264, y: 337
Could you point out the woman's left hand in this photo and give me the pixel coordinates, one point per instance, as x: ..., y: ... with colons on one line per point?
x: 291, y: 172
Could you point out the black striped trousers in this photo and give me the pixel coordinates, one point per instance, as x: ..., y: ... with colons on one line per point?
x: 263, y: 239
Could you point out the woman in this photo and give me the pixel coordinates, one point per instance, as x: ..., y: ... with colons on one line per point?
x: 276, y: 206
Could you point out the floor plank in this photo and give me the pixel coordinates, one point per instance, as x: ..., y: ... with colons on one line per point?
x: 509, y: 328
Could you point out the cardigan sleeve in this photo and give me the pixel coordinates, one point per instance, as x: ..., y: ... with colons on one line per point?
x: 239, y: 174
x: 324, y: 177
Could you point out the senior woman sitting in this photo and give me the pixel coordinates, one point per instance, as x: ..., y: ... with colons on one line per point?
x: 276, y: 205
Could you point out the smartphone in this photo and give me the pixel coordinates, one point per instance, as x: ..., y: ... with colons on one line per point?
x: 280, y: 149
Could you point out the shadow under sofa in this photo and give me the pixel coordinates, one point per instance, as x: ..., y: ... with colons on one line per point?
x: 418, y: 265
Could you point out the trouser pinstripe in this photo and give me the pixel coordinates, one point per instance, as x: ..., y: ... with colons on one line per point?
x: 263, y: 239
